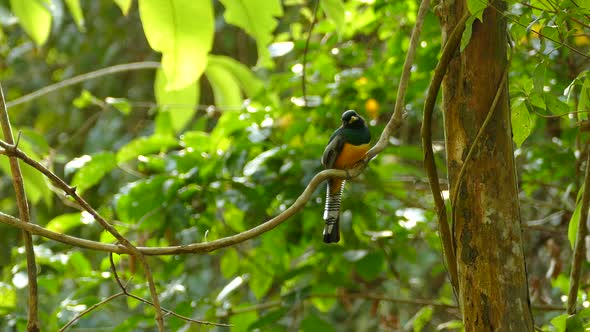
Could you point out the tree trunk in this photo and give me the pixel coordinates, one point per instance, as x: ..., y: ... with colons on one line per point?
x: 493, y: 291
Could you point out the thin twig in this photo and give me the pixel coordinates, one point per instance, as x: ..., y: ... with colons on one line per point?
x: 23, y: 211
x: 306, y: 50
x: 83, y: 78
x: 429, y: 164
x: 167, y: 311
x: 89, y: 309
x: 579, y: 249
x: 558, y: 115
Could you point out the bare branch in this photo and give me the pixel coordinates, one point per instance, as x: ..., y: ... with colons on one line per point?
x: 83, y: 78
x: 168, y: 312
x: 89, y: 309
x: 23, y: 211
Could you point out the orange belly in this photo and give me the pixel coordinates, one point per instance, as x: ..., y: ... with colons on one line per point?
x: 350, y: 155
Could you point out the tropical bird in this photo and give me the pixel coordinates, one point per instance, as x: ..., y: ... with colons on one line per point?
x: 347, y: 146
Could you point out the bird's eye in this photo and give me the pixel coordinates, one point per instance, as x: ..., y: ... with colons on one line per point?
x: 353, y: 118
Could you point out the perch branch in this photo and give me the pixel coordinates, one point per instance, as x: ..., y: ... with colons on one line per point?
x: 23, y: 211
x: 579, y: 249
x: 426, y: 132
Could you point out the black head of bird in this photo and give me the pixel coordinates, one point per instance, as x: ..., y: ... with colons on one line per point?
x: 350, y: 119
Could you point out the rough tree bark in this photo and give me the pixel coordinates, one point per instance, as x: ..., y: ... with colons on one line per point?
x: 493, y: 290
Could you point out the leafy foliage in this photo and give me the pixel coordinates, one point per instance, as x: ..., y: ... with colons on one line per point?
x: 173, y: 157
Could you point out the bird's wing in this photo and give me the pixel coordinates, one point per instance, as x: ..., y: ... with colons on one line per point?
x: 333, y: 150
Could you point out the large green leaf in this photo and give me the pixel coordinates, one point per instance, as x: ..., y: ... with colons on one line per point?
x: 226, y: 89
x: 76, y: 11
x: 257, y: 18
x: 183, y: 31
x: 35, y: 18
x: 249, y: 83
x: 179, y: 103
x: 334, y: 10
x: 522, y: 123
x: 91, y: 169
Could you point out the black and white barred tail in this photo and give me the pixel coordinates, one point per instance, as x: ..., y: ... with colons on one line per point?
x: 332, y: 211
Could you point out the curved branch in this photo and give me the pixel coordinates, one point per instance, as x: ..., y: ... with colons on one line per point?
x: 182, y: 249
x: 426, y: 131
x: 398, y: 111
x: 82, y: 78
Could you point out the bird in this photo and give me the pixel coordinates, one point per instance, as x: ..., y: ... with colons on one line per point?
x: 347, y: 146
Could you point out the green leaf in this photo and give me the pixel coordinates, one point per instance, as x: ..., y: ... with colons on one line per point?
x: 234, y: 217
x: 324, y: 304
x: 241, y: 322
x: 269, y: 320
x: 65, y: 222
x: 196, y: 140
x: 179, y: 103
x: 572, y: 229
x: 145, y: 145
x: 76, y: 11
x: 7, y: 298
x: 141, y: 199
x: 421, y: 318
x: 466, y: 37
x: 539, y: 78
x: 260, y: 282
x: 229, y: 263
x: 249, y: 83
x: 183, y: 31
x: 226, y: 88
x: 370, y: 266
x: 334, y: 10
x: 257, y: 18
x: 79, y: 263
x: 559, y: 322
x: 91, y: 170
x: 584, y: 101
x: 124, y: 5
x: 522, y: 123
x: 36, y: 186
x: 574, y: 324
x: 312, y: 323
x: 121, y: 104
x: 35, y: 18
x: 555, y: 105
x: 476, y: 8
